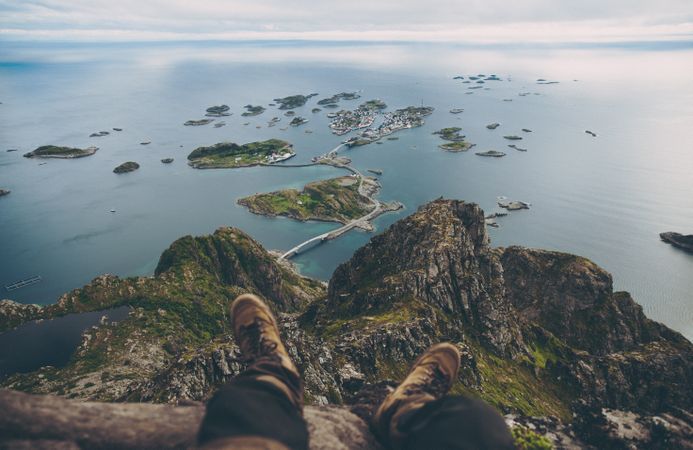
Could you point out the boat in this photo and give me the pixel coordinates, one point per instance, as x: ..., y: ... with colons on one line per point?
x: 22, y: 283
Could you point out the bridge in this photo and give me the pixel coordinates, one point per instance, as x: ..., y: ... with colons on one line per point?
x: 375, y: 212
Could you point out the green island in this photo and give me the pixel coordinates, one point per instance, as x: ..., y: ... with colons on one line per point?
x: 53, y: 151
x: 333, y: 200
x: 457, y: 142
x: 293, y: 101
x: 457, y: 146
x: 450, y: 134
x: 218, y: 111
x: 197, y: 123
x: 253, y: 110
x: 337, y: 97
x: 126, y: 167
x: 375, y: 104
x: 229, y: 155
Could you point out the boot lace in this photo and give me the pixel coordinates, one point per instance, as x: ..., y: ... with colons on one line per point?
x: 258, y: 345
x: 435, y: 383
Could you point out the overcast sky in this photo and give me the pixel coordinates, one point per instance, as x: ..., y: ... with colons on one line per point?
x: 474, y: 20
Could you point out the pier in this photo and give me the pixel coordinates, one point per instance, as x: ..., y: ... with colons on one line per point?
x: 22, y: 283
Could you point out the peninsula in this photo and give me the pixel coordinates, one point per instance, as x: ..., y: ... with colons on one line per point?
x: 53, y: 151
x: 333, y: 200
x: 229, y: 155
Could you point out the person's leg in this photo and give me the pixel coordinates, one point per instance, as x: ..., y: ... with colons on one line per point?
x: 262, y: 407
x: 417, y: 415
x: 456, y: 422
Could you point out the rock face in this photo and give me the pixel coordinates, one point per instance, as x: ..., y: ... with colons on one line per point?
x: 543, y: 336
x: 684, y: 242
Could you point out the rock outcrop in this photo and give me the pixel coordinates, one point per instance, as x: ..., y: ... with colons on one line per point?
x: 684, y: 242
x: 544, y: 338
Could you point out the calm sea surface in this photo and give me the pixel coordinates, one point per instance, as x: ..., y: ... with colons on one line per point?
x: 606, y: 198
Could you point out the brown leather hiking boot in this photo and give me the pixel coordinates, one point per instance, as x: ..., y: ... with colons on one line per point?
x: 257, y: 335
x: 430, y: 378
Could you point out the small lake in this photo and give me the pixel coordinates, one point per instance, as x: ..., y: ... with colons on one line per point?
x: 49, y: 342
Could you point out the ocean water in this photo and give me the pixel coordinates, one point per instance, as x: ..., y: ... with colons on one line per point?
x: 606, y: 198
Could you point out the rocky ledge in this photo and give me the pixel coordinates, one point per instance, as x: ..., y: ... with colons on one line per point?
x: 544, y: 337
x: 682, y: 241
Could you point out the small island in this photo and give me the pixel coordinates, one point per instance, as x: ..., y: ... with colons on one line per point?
x: 218, y: 111
x: 297, y: 121
x: 678, y: 240
x: 53, y: 151
x: 337, y: 97
x: 126, y: 167
x: 375, y: 105
x: 514, y: 205
x: 457, y: 142
x: 457, y: 146
x: 450, y: 134
x: 333, y: 200
x: 253, y: 110
x: 197, y: 123
x: 513, y: 138
x: 293, y: 101
x: 315, y: 110
x: 4, y: 192
x: 99, y: 134
x: 492, y: 154
x: 228, y: 155
x: 167, y: 160
x: 519, y: 149
x: 493, y: 126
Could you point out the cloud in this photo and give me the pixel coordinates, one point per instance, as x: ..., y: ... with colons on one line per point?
x: 485, y: 20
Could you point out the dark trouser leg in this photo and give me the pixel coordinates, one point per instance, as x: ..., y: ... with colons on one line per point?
x: 247, y: 406
x: 455, y: 422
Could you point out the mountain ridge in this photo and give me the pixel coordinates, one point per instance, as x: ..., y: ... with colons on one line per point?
x: 542, y: 333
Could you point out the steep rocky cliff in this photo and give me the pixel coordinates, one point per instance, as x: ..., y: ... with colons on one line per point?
x: 544, y: 337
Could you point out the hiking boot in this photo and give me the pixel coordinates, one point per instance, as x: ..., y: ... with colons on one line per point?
x: 430, y: 378
x: 257, y: 335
